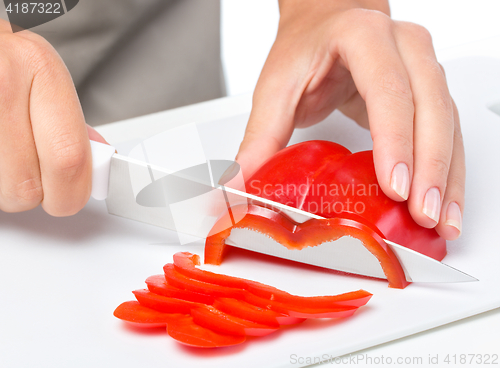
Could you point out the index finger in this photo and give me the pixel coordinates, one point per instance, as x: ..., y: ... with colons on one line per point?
x: 60, y: 134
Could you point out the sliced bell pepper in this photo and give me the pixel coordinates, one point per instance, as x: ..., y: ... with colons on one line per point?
x: 254, y: 313
x: 164, y: 304
x: 138, y: 315
x: 300, y: 311
x: 221, y: 322
x: 233, y: 314
x: 183, y: 282
x: 189, y: 333
x: 303, y: 309
x: 157, y: 284
x: 326, y: 179
x: 185, y: 262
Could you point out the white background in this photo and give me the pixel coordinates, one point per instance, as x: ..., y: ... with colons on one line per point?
x: 249, y: 28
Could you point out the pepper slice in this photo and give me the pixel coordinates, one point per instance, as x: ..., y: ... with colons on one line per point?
x: 138, y: 315
x: 288, y: 308
x: 158, y: 284
x: 189, y: 333
x: 188, y: 289
x: 164, y: 304
x: 228, y: 320
x: 254, y: 313
x: 183, y: 282
x: 308, y: 234
x: 203, y: 315
x: 185, y: 262
x: 300, y: 311
x: 221, y: 322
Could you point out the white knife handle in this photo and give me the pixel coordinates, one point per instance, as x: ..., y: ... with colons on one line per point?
x: 101, y: 159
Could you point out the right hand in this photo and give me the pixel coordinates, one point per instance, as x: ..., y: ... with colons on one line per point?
x: 45, y: 155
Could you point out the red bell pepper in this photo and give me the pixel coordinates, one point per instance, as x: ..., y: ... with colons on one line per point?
x: 138, y: 315
x: 183, y: 282
x: 300, y: 311
x: 326, y: 179
x: 158, y: 284
x: 185, y: 262
x: 165, y: 304
x: 185, y: 331
x: 221, y: 322
x: 295, y: 306
x: 205, y: 314
x: 254, y: 313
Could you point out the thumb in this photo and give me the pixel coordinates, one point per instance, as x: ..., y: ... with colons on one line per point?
x: 95, y: 136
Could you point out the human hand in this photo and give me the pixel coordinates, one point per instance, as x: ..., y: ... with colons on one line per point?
x: 44, y: 142
x: 383, y: 74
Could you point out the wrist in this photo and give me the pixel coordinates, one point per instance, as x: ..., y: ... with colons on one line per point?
x: 291, y: 8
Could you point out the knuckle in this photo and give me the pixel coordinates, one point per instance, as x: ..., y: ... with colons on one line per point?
x: 33, y: 50
x: 442, y: 100
x: 457, y: 134
x: 69, y: 157
x: 27, y: 50
x: 395, y: 86
x: 456, y: 186
x: 457, y: 129
x: 368, y: 20
x: 7, y: 80
x: 442, y: 69
x: 26, y: 193
x: 418, y: 32
x: 400, y: 139
x: 438, y: 165
x: 41, y: 56
x: 393, y: 138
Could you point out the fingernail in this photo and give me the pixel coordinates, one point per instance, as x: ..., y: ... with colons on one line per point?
x: 95, y: 136
x: 230, y: 173
x: 432, y: 204
x: 400, y: 180
x: 454, y: 216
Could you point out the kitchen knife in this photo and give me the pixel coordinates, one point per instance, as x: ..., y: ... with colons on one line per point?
x: 190, y: 201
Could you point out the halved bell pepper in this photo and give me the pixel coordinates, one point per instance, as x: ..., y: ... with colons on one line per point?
x: 326, y: 179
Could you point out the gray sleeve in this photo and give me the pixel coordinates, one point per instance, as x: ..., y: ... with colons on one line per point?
x: 134, y: 57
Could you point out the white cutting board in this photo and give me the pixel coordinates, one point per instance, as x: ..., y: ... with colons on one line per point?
x: 60, y: 279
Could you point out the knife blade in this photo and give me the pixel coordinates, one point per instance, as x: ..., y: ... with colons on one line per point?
x: 190, y: 201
